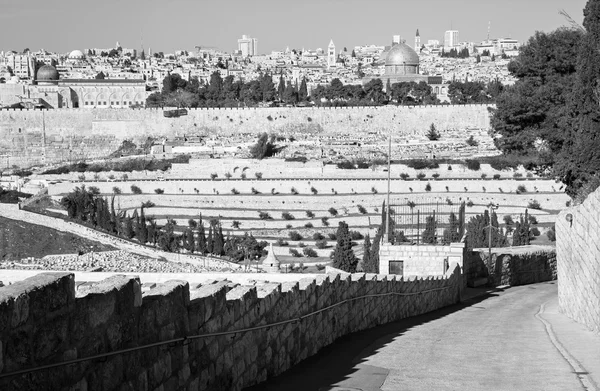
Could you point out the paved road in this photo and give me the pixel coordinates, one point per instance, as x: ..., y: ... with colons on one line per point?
x: 509, y: 340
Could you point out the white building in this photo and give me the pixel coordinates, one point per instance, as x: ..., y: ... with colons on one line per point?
x: 451, y: 39
x: 331, y: 55
x: 248, y: 46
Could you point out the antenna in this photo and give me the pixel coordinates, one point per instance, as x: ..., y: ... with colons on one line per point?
x: 489, y: 28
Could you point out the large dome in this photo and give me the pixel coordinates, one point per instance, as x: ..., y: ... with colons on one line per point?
x: 76, y: 55
x: 47, y: 73
x: 402, y: 54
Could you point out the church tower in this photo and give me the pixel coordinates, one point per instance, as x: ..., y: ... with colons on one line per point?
x: 418, y: 42
x: 331, y: 55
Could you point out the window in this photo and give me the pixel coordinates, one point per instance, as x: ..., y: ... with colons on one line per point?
x: 397, y: 267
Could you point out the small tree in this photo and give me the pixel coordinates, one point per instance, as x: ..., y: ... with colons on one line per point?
x: 433, y: 134
x: 343, y: 256
x: 333, y: 211
x: 258, y: 175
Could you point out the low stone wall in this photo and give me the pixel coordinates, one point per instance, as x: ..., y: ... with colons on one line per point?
x: 578, y: 254
x: 422, y: 260
x: 43, y: 321
x: 512, y: 266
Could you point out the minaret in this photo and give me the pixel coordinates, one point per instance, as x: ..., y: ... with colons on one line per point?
x: 418, y: 42
x: 331, y: 55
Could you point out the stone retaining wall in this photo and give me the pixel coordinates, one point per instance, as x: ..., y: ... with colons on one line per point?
x: 578, y: 256
x: 511, y: 266
x: 44, y: 320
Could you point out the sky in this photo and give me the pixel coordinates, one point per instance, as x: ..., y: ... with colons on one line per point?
x: 169, y: 25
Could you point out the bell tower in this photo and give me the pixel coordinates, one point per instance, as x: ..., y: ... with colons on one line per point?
x: 418, y: 42
x: 331, y: 54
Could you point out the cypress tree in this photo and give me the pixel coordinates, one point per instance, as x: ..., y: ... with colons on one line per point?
x: 142, y: 228
x: 303, y: 91
x: 343, y: 255
x: 209, y: 241
x: 374, y: 252
x: 128, y: 227
x: 429, y: 234
x: 201, y: 246
x: 218, y: 246
x: 190, y: 244
x: 281, y: 87
x: 135, y: 222
x: 368, y: 265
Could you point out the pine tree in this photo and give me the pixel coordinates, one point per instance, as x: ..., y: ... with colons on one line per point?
x: 343, y: 255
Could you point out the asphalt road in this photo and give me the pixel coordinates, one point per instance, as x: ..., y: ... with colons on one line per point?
x: 501, y: 341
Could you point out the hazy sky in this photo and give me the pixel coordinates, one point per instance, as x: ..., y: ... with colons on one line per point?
x: 168, y: 25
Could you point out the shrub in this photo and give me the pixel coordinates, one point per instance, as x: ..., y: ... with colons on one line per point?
x: 295, y: 253
x: 421, y: 176
x: 258, y: 175
x: 332, y: 236
x: 362, y: 164
x: 362, y: 210
x: 281, y: 242
x: 346, y: 165
x: 404, y: 176
x: 447, y: 189
x: 309, y: 252
x: 287, y: 216
x: 373, y: 190
x: 308, y: 225
x: 449, y: 201
x: 496, y: 176
x: 483, y: 176
x: 116, y: 190
x: 213, y: 176
x: 135, y: 189
x: 551, y: 234
x: 235, y: 224
x: 318, y: 236
x: 243, y: 176
x: 411, y: 204
x: 529, y: 175
x: 325, y: 221
x: 301, y: 245
x: 532, y: 219
x: 124, y: 177
x: 235, y: 191
x: 449, y: 168
x: 264, y: 216
x: 310, y: 214
x: 111, y: 177
x: 94, y: 190
x: 436, y: 175
x: 466, y: 190
x: 433, y: 134
x: 314, y: 191
x: 428, y: 187
x: 148, y: 204
x: 508, y: 220
x: 228, y: 175
x: 159, y: 191
x: 355, y: 235
x: 321, y: 244
x: 254, y: 191
x: 295, y: 236
x: 320, y: 267
x: 472, y: 142
x: 517, y: 175
x: 534, y: 204
x: 422, y: 164
x: 332, y: 211
x: 288, y: 226
x: 521, y: 189
x: 273, y: 191
x: 470, y: 203
x: 473, y: 164
x: 535, y: 231
x: 294, y: 191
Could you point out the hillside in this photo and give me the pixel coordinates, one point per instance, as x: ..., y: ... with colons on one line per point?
x: 21, y: 240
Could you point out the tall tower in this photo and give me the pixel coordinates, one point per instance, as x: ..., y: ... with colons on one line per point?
x: 331, y: 55
x: 418, y: 42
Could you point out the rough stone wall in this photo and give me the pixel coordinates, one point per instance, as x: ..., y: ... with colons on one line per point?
x: 30, y: 137
x: 511, y: 267
x: 43, y: 320
x: 578, y: 257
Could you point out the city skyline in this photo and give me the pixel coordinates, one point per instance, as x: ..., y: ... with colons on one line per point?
x: 184, y: 24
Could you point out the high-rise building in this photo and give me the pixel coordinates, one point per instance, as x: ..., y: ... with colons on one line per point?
x: 451, y: 39
x: 248, y: 46
x: 331, y: 54
x: 417, y: 42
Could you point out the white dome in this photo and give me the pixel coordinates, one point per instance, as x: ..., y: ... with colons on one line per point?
x: 76, y: 54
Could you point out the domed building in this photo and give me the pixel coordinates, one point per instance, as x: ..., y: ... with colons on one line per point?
x: 402, y: 64
x: 47, y: 74
x: 76, y: 55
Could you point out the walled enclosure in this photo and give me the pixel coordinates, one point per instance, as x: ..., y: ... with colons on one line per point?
x: 33, y: 137
x: 43, y: 320
x: 578, y: 259
x: 511, y: 265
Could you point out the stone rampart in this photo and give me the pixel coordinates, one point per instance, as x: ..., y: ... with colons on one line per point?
x: 192, y: 337
x: 512, y: 265
x: 32, y: 137
x: 578, y: 257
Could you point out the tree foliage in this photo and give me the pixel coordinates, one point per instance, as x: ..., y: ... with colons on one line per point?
x: 343, y: 255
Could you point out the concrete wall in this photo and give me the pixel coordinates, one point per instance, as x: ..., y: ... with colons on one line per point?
x: 29, y: 137
x: 44, y: 320
x: 426, y: 260
x: 578, y: 257
x: 512, y: 265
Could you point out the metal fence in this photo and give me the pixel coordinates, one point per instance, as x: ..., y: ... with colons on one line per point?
x: 421, y: 220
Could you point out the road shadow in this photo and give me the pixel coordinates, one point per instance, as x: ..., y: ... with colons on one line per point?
x: 342, y: 359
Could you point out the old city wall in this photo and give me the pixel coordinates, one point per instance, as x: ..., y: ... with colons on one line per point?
x: 44, y: 320
x: 31, y: 137
x: 578, y: 258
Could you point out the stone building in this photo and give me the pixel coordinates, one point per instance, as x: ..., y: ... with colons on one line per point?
x: 49, y: 91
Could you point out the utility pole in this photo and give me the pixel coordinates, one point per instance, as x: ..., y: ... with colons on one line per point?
x: 387, y: 227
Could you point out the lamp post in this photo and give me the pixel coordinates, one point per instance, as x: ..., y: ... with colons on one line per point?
x: 491, y: 207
